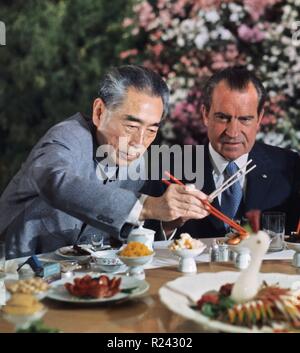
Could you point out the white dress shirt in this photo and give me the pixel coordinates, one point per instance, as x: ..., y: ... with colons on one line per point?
x: 219, y: 164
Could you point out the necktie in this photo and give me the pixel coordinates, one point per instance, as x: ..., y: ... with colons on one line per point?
x: 231, y: 198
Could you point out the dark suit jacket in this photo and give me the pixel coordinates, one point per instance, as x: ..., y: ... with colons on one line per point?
x: 273, y: 185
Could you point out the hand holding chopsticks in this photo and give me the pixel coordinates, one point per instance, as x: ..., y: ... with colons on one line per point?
x: 214, y: 211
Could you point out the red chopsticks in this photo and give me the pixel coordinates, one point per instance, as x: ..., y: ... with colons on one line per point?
x: 298, y: 227
x: 214, y: 211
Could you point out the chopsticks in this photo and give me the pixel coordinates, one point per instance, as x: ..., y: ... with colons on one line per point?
x: 298, y: 227
x: 230, y: 181
x: 214, y: 211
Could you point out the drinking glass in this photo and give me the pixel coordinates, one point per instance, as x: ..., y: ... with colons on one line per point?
x: 97, y: 241
x: 273, y: 223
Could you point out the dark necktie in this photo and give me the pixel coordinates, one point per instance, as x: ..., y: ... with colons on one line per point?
x: 231, y: 198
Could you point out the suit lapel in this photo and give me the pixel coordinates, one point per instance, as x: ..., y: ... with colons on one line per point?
x: 259, y: 181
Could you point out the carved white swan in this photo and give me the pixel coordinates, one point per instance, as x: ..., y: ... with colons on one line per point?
x: 247, y: 284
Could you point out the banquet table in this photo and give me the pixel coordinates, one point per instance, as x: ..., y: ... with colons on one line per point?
x: 145, y: 313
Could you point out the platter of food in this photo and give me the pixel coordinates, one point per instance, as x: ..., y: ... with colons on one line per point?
x: 205, y: 299
x: 74, y: 252
x: 95, y: 288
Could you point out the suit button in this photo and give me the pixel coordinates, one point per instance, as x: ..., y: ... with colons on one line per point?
x: 100, y: 218
x: 110, y: 220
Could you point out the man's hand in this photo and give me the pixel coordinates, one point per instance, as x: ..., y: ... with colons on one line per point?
x: 178, y: 203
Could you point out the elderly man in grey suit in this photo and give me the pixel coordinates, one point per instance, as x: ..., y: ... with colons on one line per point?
x: 63, y: 192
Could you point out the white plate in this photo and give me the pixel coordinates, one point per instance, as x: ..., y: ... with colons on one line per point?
x: 59, y: 292
x: 205, y: 282
x: 60, y: 252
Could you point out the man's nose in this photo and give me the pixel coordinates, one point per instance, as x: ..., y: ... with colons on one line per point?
x: 232, y: 128
x: 138, y: 137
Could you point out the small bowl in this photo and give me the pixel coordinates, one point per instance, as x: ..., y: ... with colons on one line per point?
x: 292, y: 246
x: 136, y: 264
x: 108, y: 261
x: 24, y: 321
x: 187, y: 261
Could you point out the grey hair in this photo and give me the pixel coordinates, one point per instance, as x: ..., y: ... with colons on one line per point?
x: 116, y: 82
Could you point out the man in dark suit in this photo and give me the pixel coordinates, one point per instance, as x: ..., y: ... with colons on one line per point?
x: 233, y: 107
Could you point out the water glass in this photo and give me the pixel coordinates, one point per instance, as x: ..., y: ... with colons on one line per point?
x: 2, y: 259
x: 273, y: 223
x: 97, y: 241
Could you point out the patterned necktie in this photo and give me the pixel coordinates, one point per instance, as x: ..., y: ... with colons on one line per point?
x: 231, y: 197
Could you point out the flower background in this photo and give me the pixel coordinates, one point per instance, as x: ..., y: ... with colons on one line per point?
x: 56, y: 51
x: 187, y: 41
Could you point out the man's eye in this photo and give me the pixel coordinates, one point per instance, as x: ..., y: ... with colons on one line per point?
x: 131, y: 127
x: 223, y: 118
x: 152, y: 131
x: 245, y: 120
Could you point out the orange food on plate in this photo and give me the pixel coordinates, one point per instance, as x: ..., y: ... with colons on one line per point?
x: 237, y: 238
x: 135, y: 249
x: 95, y: 287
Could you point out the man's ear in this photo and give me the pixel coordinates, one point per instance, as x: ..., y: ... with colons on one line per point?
x: 204, y: 114
x: 98, y: 111
x: 260, y: 116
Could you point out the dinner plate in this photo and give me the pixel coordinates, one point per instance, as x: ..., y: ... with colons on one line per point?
x: 58, y: 292
x: 177, y: 300
x: 62, y: 252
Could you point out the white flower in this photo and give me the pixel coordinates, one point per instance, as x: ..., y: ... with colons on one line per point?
x: 201, y: 39
x: 234, y: 7
x: 187, y: 26
x: 234, y: 17
x: 225, y: 34
x: 212, y: 16
x: 180, y: 42
x: 275, y: 50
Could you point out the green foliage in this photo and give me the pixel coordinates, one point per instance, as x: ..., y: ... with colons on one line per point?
x: 38, y: 327
x: 55, y: 53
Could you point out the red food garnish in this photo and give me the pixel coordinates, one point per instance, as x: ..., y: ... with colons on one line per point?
x: 101, y: 287
x: 253, y: 217
x: 226, y: 289
x: 212, y: 298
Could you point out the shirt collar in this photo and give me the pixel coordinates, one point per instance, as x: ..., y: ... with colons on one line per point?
x: 220, y: 163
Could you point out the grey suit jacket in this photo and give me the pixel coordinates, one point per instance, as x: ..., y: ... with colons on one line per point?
x: 56, y: 198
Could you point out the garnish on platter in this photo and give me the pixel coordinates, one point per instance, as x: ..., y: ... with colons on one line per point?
x: 248, y: 302
x: 270, y: 306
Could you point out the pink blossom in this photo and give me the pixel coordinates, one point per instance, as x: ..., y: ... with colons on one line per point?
x: 126, y: 53
x: 127, y: 22
x: 252, y: 35
x: 145, y: 12
x: 256, y: 8
x: 157, y: 49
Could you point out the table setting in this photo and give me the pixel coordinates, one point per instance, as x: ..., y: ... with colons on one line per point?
x: 166, y: 278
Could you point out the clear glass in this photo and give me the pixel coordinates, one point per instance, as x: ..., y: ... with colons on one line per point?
x: 2, y: 259
x: 274, y: 224
x: 97, y: 241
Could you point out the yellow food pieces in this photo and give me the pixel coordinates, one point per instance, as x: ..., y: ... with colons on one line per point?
x: 135, y: 248
x: 22, y: 304
x: 28, y: 286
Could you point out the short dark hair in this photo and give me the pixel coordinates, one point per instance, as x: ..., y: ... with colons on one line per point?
x: 237, y: 78
x: 118, y: 80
